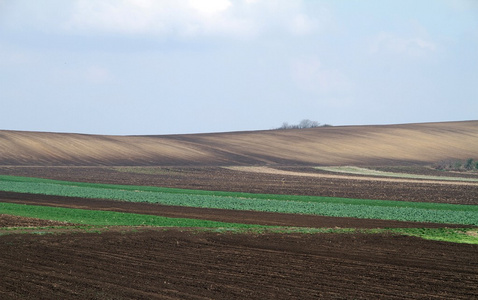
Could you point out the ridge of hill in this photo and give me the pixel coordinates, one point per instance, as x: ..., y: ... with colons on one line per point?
x: 420, y: 143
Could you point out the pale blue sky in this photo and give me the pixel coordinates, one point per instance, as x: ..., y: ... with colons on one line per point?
x: 166, y: 67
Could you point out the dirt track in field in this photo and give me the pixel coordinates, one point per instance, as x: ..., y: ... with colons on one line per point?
x: 268, y: 170
x: 220, y: 179
x: 200, y: 265
x: 222, y: 215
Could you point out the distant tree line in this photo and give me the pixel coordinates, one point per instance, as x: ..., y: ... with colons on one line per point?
x: 457, y: 165
x: 306, y: 123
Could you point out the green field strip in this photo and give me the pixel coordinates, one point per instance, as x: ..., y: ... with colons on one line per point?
x: 370, y: 172
x: 326, y: 206
x: 94, y: 221
x: 38, y: 190
x: 108, y: 218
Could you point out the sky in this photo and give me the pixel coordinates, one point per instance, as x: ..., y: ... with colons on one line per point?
x: 134, y: 67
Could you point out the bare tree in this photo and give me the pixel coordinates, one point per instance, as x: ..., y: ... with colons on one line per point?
x: 306, y: 123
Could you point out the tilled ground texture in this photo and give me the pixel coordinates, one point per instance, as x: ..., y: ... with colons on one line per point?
x: 175, y: 264
x: 197, y: 265
x: 220, y: 179
x: 14, y: 221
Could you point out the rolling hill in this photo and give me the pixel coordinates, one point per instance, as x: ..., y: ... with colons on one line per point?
x: 421, y: 143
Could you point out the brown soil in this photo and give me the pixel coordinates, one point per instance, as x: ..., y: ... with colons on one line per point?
x: 14, y: 221
x: 203, y: 265
x: 220, y: 179
x: 342, y: 145
x: 222, y: 215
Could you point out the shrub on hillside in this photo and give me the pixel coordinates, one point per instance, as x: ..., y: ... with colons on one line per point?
x: 469, y: 164
x: 457, y: 165
x: 306, y: 123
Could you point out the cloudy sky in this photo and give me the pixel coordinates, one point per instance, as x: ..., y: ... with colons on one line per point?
x: 188, y: 66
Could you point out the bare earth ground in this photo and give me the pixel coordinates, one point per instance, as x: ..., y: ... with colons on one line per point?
x: 14, y: 221
x: 403, y: 144
x: 204, y: 265
x: 175, y: 264
x: 221, y: 179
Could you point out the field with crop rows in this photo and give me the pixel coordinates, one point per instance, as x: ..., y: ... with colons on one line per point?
x: 326, y: 206
x: 256, y: 215
x: 105, y: 229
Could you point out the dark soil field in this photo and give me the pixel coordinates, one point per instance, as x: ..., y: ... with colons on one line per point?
x: 7, y: 221
x: 173, y: 264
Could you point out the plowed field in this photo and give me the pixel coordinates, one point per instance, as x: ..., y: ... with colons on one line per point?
x: 71, y: 262
x: 145, y: 263
x: 342, y: 145
x: 200, y: 265
x: 7, y: 221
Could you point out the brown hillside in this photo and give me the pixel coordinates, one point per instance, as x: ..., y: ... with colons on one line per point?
x: 345, y: 145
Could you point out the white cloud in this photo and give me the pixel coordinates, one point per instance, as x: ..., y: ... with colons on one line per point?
x: 413, y: 46
x: 310, y: 75
x: 210, y: 7
x: 242, y: 18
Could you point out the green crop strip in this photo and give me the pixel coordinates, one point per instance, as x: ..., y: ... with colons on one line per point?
x: 94, y: 221
x: 108, y: 218
x: 135, y: 188
x: 327, y: 206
